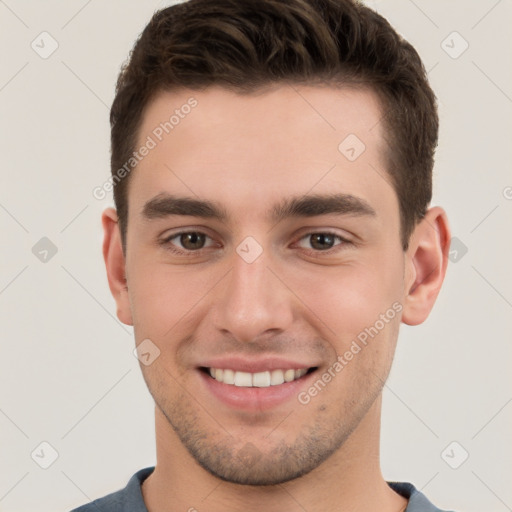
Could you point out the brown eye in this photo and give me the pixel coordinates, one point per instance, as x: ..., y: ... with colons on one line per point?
x: 187, y: 242
x: 192, y: 241
x: 321, y: 241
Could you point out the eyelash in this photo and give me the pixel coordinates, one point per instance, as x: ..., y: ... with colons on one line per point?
x: 166, y: 242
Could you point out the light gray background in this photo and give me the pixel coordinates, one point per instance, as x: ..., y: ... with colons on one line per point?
x: 68, y: 375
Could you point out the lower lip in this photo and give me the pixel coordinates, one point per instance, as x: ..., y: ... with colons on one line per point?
x: 253, y: 398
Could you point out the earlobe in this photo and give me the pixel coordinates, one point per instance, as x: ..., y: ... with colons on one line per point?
x: 115, y: 264
x: 426, y: 263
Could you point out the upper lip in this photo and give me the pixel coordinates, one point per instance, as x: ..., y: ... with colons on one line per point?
x: 255, y: 365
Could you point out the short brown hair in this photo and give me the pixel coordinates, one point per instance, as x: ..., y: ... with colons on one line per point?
x: 244, y: 45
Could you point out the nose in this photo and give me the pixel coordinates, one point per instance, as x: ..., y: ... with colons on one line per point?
x: 252, y: 301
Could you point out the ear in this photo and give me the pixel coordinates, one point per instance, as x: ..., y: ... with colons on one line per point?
x: 115, y: 264
x: 425, y: 265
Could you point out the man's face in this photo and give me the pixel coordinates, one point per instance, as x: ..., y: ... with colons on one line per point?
x: 263, y: 287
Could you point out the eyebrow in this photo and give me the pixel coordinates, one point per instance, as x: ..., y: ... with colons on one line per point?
x: 317, y: 204
x: 164, y: 205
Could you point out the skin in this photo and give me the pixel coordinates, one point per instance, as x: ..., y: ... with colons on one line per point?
x: 248, y: 153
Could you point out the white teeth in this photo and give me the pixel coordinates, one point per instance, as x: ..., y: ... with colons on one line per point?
x: 261, y: 379
x: 228, y: 377
x: 243, y: 379
x: 258, y: 380
x: 276, y: 377
x: 289, y: 375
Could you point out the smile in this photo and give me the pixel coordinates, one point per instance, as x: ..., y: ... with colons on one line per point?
x: 256, y: 380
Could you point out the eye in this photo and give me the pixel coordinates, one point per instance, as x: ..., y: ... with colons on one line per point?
x: 187, y: 241
x: 321, y: 241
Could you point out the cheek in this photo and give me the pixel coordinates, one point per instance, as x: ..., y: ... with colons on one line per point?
x: 165, y: 300
x: 351, y: 298
x: 339, y: 301
x: 358, y: 312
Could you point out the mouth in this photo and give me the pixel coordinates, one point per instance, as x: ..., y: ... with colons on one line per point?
x: 263, y: 379
x: 266, y: 387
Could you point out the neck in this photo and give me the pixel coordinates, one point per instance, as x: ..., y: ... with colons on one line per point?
x: 349, y: 480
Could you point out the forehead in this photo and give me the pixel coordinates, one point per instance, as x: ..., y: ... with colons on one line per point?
x: 251, y: 148
x: 281, y: 111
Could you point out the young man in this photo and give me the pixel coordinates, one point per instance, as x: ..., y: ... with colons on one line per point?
x: 271, y: 166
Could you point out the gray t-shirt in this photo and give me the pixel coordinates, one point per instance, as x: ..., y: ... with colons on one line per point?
x: 130, y: 498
